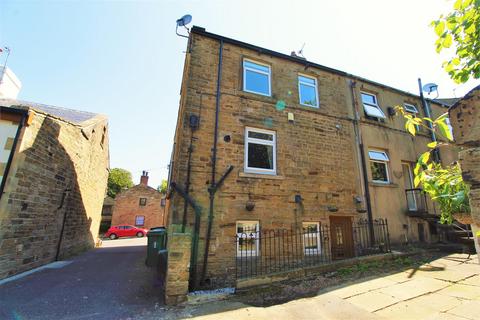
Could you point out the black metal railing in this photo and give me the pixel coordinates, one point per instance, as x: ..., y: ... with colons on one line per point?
x: 263, y: 252
x: 416, y: 201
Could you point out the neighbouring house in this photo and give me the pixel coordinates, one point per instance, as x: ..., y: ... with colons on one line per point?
x: 53, y: 176
x: 140, y: 206
x: 107, y: 211
x: 269, y: 141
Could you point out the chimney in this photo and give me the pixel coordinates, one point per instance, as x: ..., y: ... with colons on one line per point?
x: 144, y: 178
x: 10, y: 85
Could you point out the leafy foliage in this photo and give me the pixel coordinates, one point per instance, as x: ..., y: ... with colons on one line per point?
x: 118, y: 179
x: 461, y: 27
x: 444, y: 185
x: 163, y: 187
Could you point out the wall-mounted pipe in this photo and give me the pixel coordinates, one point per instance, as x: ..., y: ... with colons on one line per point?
x: 361, y: 150
x: 213, y: 187
x: 426, y: 109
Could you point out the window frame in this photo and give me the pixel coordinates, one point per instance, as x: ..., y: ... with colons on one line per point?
x: 318, y: 250
x: 140, y: 202
x: 248, y: 253
x: 376, y: 106
x: 273, y: 143
x: 308, y: 85
x: 269, y: 74
x: 139, y: 225
x: 384, y: 162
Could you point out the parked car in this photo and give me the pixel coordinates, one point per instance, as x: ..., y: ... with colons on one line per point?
x: 125, y: 231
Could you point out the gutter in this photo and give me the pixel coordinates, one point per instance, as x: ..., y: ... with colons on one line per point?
x: 201, y: 31
x: 24, y: 115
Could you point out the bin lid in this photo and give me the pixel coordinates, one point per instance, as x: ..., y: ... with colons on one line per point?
x: 156, y: 231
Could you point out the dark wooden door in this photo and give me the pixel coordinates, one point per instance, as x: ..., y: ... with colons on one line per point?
x: 341, y: 234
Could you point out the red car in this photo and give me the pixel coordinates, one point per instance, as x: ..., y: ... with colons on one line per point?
x: 125, y: 231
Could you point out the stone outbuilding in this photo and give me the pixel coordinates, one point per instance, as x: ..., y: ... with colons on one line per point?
x: 140, y: 206
x: 53, y: 175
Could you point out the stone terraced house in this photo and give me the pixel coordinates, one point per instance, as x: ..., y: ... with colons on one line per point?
x: 53, y: 174
x: 269, y: 141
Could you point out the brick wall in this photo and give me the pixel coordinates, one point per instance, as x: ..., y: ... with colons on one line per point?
x: 127, y: 207
x: 57, y: 172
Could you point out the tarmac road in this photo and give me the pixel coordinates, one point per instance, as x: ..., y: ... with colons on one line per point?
x: 111, y: 282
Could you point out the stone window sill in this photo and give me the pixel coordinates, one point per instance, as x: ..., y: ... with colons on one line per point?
x: 379, y: 184
x: 260, y: 176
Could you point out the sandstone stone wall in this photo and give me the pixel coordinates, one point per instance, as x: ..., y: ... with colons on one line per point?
x: 316, y: 153
x: 127, y: 207
x: 177, y: 276
x: 59, y: 171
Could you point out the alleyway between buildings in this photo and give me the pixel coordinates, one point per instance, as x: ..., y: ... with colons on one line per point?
x: 111, y: 282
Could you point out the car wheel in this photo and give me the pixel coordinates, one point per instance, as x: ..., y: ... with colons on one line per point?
x: 113, y: 236
x: 139, y: 234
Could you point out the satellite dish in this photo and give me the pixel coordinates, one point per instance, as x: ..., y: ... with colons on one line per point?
x: 430, y: 87
x: 183, y: 21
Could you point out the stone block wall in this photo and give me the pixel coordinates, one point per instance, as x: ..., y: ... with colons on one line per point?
x: 316, y: 155
x: 57, y: 180
x: 176, y: 284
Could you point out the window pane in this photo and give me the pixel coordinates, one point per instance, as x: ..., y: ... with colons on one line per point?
x: 308, y: 95
x: 246, y: 227
x: 256, y: 82
x: 368, y: 98
x: 379, y: 171
x: 260, y: 135
x: 260, y: 156
x: 373, y: 111
x: 306, y: 80
x: 255, y: 66
x: 378, y: 155
x: 410, y: 108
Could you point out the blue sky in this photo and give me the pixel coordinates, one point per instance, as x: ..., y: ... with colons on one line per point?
x: 124, y: 60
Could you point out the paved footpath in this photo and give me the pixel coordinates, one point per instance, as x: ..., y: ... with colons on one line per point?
x: 447, y: 288
x: 111, y: 282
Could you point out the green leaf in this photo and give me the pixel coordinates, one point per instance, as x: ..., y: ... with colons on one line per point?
x: 416, y: 181
x: 439, y: 28
x: 428, y: 119
x: 445, y: 130
x: 432, y: 145
x: 447, y: 42
x: 417, y: 168
x: 424, y: 157
x: 411, y: 127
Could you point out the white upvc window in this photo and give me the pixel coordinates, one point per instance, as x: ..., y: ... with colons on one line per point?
x: 311, y: 238
x: 308, y: 91
x: 256, y: 77
x: 260, y: 151
x: 410, y: 108
x: 379, y: 166
x: 371, y: 107
x: 247, y: 238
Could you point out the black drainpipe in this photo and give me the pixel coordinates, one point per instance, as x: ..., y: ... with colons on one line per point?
x: 213, y: 186
x: 187, y: 182
x: 359, y: 139
x: 24, y: 115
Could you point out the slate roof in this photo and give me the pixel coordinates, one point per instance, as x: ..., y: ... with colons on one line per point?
x: 76, y: 117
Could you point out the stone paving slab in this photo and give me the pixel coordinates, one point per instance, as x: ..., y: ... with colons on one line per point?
x: 372, y: 301
x: 406, y: 310
x: 472, y: 281
x: 469, y: 310
x: 438, y: 302
x: 362, y: 287
x: 461, y: 291
x: 415, y: 288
